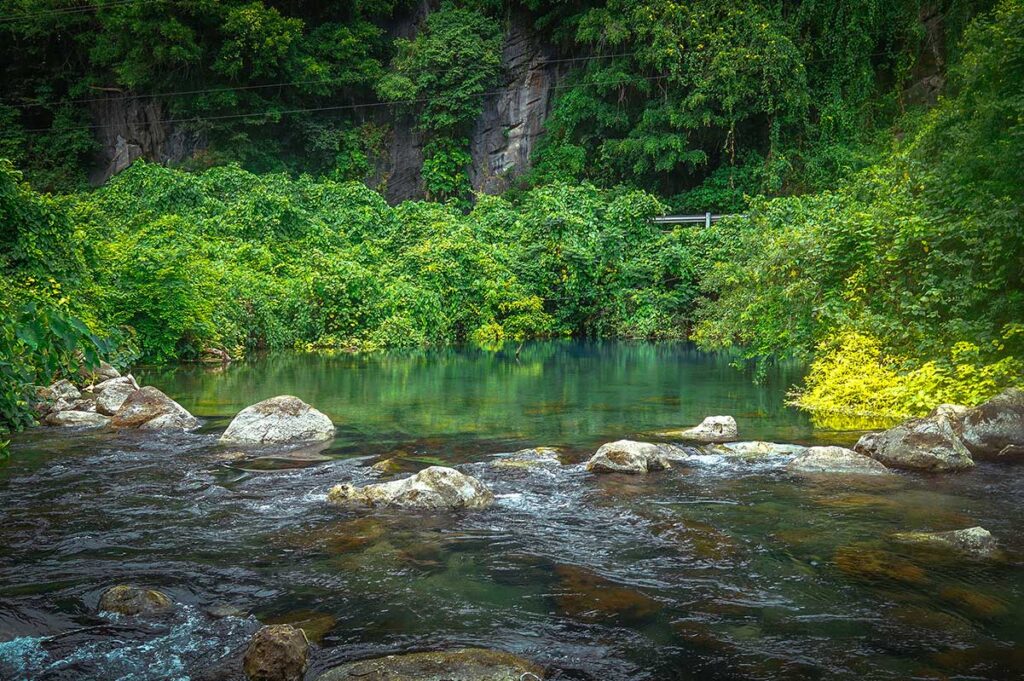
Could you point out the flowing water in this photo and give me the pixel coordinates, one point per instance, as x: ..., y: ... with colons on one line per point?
x: 718, y: 569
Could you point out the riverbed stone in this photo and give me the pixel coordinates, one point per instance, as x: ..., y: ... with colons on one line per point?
x: 628, y: 456
x: 150, y: 409
x: 436, y: 487
x: 991, y: 427
x: 875, y: 565
x: 711, y: 429
x: 754, y: 449
x: 278, y: 652
x: 838, y: 460
x: 928, y: 444
x: 130, y: 600
x: 973, y: 541
x: 111, y: 394
x: 467, y: 664
x: 585, y: 595
x: 538, y: 457
x: 284, y: 419
x: 76, y: 419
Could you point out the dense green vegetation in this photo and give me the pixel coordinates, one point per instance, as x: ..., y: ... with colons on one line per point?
x: 882, y: 241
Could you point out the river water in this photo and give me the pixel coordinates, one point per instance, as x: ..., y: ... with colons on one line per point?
x: 719, y: 569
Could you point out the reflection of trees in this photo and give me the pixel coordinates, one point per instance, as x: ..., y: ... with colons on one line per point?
x: 561, y: 391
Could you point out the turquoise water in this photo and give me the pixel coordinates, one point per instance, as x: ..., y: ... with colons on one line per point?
x: 719, y: 569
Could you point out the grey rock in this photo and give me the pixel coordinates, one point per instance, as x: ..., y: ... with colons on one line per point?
x: 470, y: 664
x: 754, y: 449
x: 436, y: 487
x: 77, y: 419
x: 149, y: 409
x: 628, y: 456
x: 973, y: 541
x: 60, y: 390
x: 991, y: 427
x: 278, y: 420
x: 111, y: 394
x: 279, y: 652
x: 929, y: 444
x: 711, y: 429
x: 835, y: 460
x: 528, y: 458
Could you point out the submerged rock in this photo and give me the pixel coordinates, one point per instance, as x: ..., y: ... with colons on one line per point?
x: 528, y: 458
x: 150, y: 409
x: 754, y: 449
x: 279, y: 420
x: 77, y: 419
x: 990, y: 428
x: 585, y: 595
x: 129, y: 600
x: 873, y: 565
x: 436, y: 487
x: 711, y: 429
x: 973, y: 541
x: 388, y: 466
x: 628, y: 456
x: 929, y: 444
x: 111, y: 394
x: 278, y: 652
x: 835, y: 460
x: 468, y: 664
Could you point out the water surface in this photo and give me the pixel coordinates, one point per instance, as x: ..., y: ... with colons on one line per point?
x: 719, y: 569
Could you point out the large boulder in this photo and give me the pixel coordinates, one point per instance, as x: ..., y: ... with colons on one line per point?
x: 278, y: 652
x: 278, y: 420
x: 111, y: 394
x: 973, y: 541
x: 129, y: 600
x: 149, y: 409
x: 929, y: 444
x: 628, y: 456
x: 436, y: 487
x: 990, y: 428
x: 711, y: 429
x: 835, y: 460
x: 76, y: 419
x: 470, y: 664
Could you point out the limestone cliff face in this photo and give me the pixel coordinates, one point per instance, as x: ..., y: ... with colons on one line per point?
x: 128, y: 128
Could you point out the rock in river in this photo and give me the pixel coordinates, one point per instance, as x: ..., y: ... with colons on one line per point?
x: 150, y: 409
x: 77, y: 419
x: 279, y: 420
x: 126, y: 599
x: 470, y: 664
x: 528, y: 458
x: 973, y: 541
x: 929, y: 444
x: 436, y: 487
x: 111, y: 394
x: 711, y: 429
x: 835, y: 460
x: 754, y: 449
x: 277, y: 652
x: 627, y: 456
x: 996, y: 426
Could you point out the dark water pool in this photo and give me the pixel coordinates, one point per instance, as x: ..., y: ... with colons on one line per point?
x: 713, y: 570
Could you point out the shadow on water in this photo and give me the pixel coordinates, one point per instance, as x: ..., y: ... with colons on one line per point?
x: 714, y: 570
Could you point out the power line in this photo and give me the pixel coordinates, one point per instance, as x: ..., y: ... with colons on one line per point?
x: 177, y: 93
x: 338, y: 107
x: 76, y: 9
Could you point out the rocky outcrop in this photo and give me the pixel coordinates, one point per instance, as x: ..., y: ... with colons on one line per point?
x: 469, y: 664
x: 73, y: 418
x: 279, y: 420
x: 628, y: 456
x: 112, y: 393
x: 149, y: 409
x: 436, y: 487
x: 711, y: 429
x: 838, y: 460
x: 278, y: 652
x: 973, y: 541
x: 528, y: 458
x: 930, y: 444
x: 129, y: 600
x: 990, y: 428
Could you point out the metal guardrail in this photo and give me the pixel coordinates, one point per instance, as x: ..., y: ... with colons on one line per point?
x: 706, y: 218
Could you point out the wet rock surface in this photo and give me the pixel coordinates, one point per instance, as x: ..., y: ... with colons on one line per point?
x: 276, y: 421
x: 436, y: 487
x: 278, y: 652
x: 930, y: 444
x: 468, y: 664
x: 131, y: 600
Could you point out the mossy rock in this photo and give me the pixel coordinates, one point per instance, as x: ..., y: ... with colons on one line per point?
x: 129, y: 600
